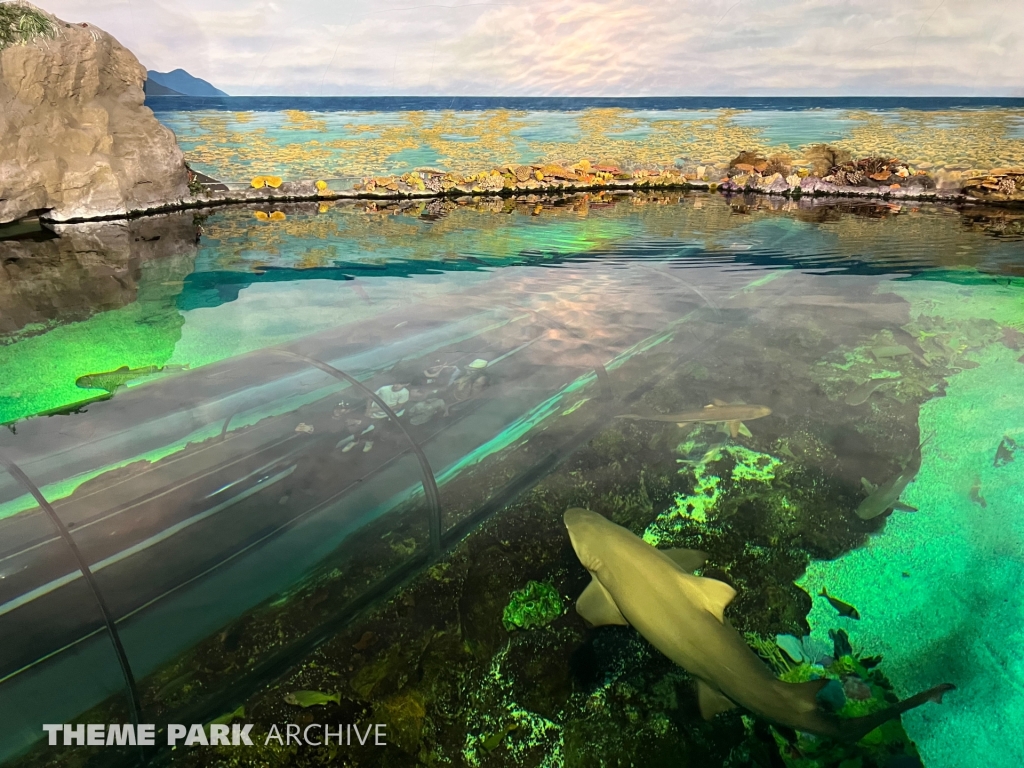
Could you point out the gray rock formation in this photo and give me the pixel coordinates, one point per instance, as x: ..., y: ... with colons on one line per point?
x: 94, y: 267
x: 75, y: 138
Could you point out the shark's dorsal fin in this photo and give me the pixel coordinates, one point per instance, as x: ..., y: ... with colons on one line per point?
x: 717, y: 596
x: 597, y: 607
x: 711, y: 701
x: 868, y: 485
x: 718, y: 402
x: 687, y: 559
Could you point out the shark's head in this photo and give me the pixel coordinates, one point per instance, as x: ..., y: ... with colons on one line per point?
x: 585, y: 528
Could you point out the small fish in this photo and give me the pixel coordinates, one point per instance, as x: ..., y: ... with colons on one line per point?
x: 113, y: 380
x: 884, y: 497
x: 864, y: 391
x: 491, y: 742
x: 173, y: 686
x: 238, y: 714
x: 892, y: 350
x: 976, y: 496
x: 311, y: 698
x: 731, y: 414
x: 845, y: 609
x: 1005, y: 452
x: 365, y: 641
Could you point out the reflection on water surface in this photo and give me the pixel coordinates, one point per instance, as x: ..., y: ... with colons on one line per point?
x: 327, y: 449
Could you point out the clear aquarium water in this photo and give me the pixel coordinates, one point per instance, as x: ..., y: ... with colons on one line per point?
x: 310, y: 467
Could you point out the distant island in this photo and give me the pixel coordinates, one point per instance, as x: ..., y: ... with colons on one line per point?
x: 178, y: 83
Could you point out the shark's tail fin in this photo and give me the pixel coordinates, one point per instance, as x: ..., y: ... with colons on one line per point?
x: 857, y: 728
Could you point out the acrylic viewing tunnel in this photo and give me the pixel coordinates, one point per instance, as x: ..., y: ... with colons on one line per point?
x: 201, y: 495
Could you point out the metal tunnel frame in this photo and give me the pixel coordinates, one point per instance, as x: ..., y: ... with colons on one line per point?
x: 131, y: 689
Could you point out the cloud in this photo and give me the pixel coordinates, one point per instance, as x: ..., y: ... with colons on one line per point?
x: 576, y: 47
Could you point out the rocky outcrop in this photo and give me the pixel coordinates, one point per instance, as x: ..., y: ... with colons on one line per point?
x: 76, y: 141
x: 91, y: 268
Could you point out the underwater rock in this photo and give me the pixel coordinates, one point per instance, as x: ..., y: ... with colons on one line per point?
x: 90, y: 268
x: 76, y: 140
x: 404, y: 714
x: 856, y: 689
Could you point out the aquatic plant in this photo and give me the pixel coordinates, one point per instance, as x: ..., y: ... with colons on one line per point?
x: 19, y: 25
x: 768, y: 650
x: 536, y: 605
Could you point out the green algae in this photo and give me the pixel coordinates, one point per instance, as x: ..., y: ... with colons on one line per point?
x: 700, y: 504
x: 751, y: 465
x: 40, y: 371
x: 534, y: 606
x: 19, y: 25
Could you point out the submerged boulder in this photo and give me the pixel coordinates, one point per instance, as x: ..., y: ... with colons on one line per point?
x: 76, y: 140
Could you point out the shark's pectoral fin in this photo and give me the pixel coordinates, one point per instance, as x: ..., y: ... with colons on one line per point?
x: 597, y: 607
x: 717, y: 595
x: 867, y: 485
x: 711, y: 702
x: 687, y: 559
x: 904, y: 507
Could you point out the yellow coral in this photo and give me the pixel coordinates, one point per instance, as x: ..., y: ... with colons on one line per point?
x: 278, y: 216
x: 262, y: 215
x: 273, y: 181
x: 321, y: 186
x: 259, y: 181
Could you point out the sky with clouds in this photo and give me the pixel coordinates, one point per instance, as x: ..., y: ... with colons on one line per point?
x: 575, y: 47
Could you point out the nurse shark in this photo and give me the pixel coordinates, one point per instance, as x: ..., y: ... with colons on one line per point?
x: 680, y: 614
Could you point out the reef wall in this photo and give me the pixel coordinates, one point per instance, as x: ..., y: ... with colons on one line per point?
x: 76, y: 140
